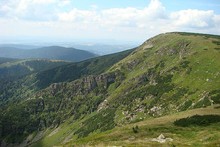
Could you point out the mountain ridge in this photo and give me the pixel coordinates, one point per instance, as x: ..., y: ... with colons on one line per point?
x: 50, y: 52
x: 168, y: 73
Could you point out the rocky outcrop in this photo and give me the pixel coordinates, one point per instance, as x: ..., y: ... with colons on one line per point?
x: 180, y: 48
x: 105, y: 79
x: 82, y: 86
x: 162, y: 139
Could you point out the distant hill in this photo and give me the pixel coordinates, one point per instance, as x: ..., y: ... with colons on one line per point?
x: 51, y: 52
x: 104, y: 49
x: 20, y: 46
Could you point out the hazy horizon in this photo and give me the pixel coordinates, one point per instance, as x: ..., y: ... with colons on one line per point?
x: 96, y: 48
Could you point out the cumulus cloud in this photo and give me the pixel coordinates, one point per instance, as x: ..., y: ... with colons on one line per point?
x: 117, y: 17
x: 129, y: 22
x: 76, y: 15
x: 43, y: 1
x: 34, y: 10
x: 193, y: 18
x: 217, y: 20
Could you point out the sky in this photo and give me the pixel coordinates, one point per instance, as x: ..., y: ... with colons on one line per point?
x: 98, y: 20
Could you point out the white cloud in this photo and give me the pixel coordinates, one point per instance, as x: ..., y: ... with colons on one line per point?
x: 217, y: 20
x: 63, y: 3
x: 4, y: 9
x: 155, y: 10
x: 34, y: 10
x: 117, y: 17
x: 193, y: 18
x: 43, y: 1
x: 49, y: 17
x: 77, y: 15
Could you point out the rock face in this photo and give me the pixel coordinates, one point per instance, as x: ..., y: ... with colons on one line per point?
x: 105, y: 79
x: 82, y: 86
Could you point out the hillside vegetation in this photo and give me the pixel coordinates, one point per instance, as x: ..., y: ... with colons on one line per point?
x: 167, y: 74
x: 18, y: 82
x: 15, y: 86
x: 12, y: 68
x: 148, y: 130
x: 3, y: 60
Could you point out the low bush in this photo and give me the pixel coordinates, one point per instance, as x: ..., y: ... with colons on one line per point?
x: 197, y: 120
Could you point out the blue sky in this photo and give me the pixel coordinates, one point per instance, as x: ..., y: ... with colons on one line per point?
x: 172, y: 5
x: 98, y: 20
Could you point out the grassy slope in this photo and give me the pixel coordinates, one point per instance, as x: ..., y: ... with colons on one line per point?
x: 185, y: 70
x: 152, y: 128
x: 148, y: 129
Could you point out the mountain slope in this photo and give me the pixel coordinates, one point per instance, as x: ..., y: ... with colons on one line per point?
x: 12, y: 68
x: 75, y: 71
x: 14, y: 97
x: 51, y: 52
x: 147, y: 132
x: 169, y: 73
x: 43, y: 78
x: 173, y: 71
x: 4, y: 60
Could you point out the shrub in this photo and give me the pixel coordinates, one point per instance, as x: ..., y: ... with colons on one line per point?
x: 135, y: 129
x: 198, y: 120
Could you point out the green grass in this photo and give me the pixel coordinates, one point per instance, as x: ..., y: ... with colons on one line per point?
x: 66, y: 130
x: 94, y: 123
x: 152, y: 128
